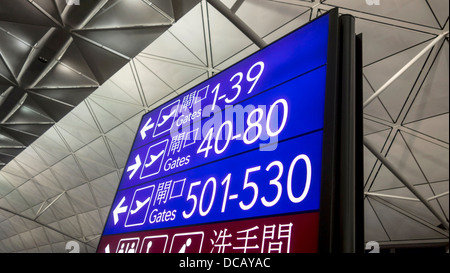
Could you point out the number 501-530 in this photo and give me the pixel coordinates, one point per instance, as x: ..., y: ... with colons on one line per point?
x: 203, y: 203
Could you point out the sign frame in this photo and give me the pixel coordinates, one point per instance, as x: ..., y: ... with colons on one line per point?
x: 341, y: 75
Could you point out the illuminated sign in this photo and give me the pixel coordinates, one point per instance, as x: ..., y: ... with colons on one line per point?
x: 234, y: 164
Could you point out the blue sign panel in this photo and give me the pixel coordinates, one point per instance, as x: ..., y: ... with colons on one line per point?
x: 245, y: 143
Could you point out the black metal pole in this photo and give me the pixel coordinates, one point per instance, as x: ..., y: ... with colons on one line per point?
x: 347, y: 215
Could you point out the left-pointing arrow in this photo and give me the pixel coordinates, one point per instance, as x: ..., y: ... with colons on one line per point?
x: 119, y: 209
x: 134, y: 167
x: 146, y: 127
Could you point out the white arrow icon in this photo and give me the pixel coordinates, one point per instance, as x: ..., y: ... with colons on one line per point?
x: 134, y: 167
x: 119, y: 209
x: 146, y: 127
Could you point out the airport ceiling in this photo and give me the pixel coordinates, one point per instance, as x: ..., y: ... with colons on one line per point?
x: 76, y: 77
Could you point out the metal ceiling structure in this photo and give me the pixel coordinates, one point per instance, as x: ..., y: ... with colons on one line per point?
x: 76, y: 76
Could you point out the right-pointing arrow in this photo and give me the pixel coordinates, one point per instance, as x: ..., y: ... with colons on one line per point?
x: 134, y: 167
x: 119, y: 209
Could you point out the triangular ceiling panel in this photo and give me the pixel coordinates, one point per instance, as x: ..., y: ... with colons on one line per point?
x: 170, y: 47
x: 5, y: 187
x: 401, y: 227
x: 31, y: 193
x: 53, y: 108
x: 182, y: 7
x: 369, y: 164
x: 39, y: 236
x: 190, y: 32
x: 104, y: 188
x: 30, y: 112
x: 112, y: 91
x: 226, y: 39
x: 61, y: 208
x: 15, y: 173
x: 6, y: 155
x: 51, y: 157
x: 414, y: 11
x: 28, y: 33
x: 52, y: 144
x: 50, y: 8
x: 108, y: 119
x: 71, y: 96
x: 164, y: 6
x: 383, y: 40
x: 441, y: 203
x: 73, y: 141
x: 17, y: 202
x: 78, y: 127
x: 119, y: 141
x: 48, y: 183
x: 380, y: 72
x: 71, y: 225
x: 18, y: 224
x: 436, y: 127
x: 377, y: 139
x: 141, y: 37
x: 90, y: 223
x: 94, y: 159
x: 27, y: 240
x: 73, y: 58
x: 32, y: 161
x: 117, y: 14
x: 376, y: 108
x: 440, y: 10
x: 7, y: 140
x: 122, y: 86
x: 6, y: 78
x: 22, y: 137
x: 32, y: 129
x: 433, y: 159
x: 270, y: 15
x: 119, y: 152
x: 371, y: 127
x: 21, y: 12
x: 68, y: 173
x: 55, y: 237
x: 433, y: 97
x: 154, y: 87
x: 174, y: 75
x: 400, y: 156
x: 62, y: 76
x: 81, y: 198
x: 377, y: 232
x: 412, y: 206
x: 289, y: 26
x: 13, y: 51
x: 102, y: 63
x: 10, y: 230
x: 95, y: 151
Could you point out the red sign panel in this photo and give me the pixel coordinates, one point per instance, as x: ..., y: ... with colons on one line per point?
x: 282, y: 234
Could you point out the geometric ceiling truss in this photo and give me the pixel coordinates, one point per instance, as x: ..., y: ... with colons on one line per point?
x: 69, y: 113
x: 392, y: 168
x: 54, y: 54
